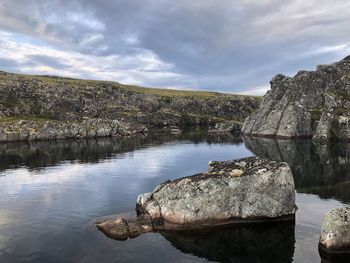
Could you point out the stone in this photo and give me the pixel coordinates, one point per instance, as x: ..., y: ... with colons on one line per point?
x: 227, y: 127
x: 232, y: 192
x: 335, y: 233
x: 313, y: 104
x: 116, y: 229
x: 175, y: 130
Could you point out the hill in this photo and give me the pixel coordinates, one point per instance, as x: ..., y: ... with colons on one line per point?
x: 54, y: 107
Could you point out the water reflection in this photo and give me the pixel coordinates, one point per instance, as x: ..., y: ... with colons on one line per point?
x: 48, y: 153
x: 255, y: 243
x: 50, y: 191
x: 318, y: 169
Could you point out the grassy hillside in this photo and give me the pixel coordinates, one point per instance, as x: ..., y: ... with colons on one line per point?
x: 55, y: 80
x: 66, y: 99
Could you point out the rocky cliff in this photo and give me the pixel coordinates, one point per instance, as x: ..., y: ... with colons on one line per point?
x: 311, y: 104
x: 47, y: 107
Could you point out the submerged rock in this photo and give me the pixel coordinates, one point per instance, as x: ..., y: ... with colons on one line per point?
x: 311, y: 104
x: 335, y: 233
x: 238, y: 191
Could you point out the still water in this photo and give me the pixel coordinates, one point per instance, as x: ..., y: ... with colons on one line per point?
x: 51, y: 193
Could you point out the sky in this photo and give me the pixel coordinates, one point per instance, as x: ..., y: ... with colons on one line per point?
x: 233, y: 46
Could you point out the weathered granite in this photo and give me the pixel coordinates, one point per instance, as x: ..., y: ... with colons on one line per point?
x: 335, y: 233
x: 239, y: 191
x: 311, y: 104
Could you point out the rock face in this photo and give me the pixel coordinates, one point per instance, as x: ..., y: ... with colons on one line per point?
x: 335, y: 233
x: 311, y: 104
x: 58, y: 99
x: 238, y: 191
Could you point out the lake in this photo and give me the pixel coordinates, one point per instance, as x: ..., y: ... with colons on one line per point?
x: 51, y: 193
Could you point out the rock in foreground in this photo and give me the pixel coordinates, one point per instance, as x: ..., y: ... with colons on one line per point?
x: 335, y: 233
x: 311, y: 104
x: 238, y: 191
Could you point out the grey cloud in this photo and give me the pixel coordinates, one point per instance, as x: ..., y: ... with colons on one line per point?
x: 8, y: 64
x: 46, y: 61
x: 219, y: 45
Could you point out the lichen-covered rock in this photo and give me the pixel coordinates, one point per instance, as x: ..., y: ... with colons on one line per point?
x: 238, y: 191
x: 335, y: 233
x: 310, y: 104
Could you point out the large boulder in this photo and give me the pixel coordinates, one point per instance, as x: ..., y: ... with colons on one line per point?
x: 335, y: 233
x: 311, y: 104
x: 238, y: 191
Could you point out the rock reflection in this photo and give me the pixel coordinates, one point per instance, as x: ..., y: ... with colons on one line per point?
x: 46, y: 153
x: 253, y: 243
x: 318, y: 169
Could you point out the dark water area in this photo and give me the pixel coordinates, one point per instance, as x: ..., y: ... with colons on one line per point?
x: 51, y: 193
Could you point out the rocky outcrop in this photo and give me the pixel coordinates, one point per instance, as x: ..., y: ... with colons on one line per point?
x: 117, y: 106
x: 238, y: 191
x: 311, y: 104
x: 335, y: 233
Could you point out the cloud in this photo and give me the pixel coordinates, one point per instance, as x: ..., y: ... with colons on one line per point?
x: 45, y: 60
x: 232, y: 46
x: 259, y: 91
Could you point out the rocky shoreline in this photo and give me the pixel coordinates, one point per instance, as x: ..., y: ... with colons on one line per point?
x: 31, y: 130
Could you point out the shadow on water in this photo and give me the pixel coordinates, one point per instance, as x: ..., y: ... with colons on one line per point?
x: 253, y: 243
x: 40, y: 154
x: 323, y: 170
